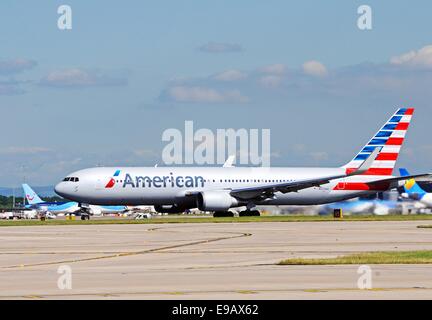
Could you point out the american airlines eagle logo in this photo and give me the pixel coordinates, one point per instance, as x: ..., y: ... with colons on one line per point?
x: 111, y: 183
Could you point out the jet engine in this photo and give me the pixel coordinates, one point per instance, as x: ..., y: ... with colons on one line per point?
x: 94, y: 211
x: 215, y: 201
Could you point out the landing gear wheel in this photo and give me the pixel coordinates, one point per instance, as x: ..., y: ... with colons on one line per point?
x: 255, y: 213
x: 219, y: 214
x: 249, y: 213
x: 85, y: 217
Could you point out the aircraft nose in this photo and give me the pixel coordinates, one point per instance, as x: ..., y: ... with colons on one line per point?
x: 61, y: 189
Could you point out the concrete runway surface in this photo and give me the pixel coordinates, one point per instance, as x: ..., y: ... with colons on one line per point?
x: 208, y: 261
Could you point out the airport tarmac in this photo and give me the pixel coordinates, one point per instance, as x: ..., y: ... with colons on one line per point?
x: 208, y: 261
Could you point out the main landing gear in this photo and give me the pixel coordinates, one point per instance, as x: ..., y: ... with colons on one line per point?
x: 220, y: 214
x: 245, y: 213
x: 249, y: 213
x: 85, y: 216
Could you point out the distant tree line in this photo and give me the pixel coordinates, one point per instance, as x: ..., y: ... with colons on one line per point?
x: 7, y: 202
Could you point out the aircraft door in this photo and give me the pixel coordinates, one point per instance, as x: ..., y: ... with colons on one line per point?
x: 100, y: 184
x: 341, y: 185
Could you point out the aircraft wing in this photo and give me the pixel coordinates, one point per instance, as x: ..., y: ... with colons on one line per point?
x: 394, y: 179
x: 267, y: 191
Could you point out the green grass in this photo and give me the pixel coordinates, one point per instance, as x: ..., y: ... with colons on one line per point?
x: 379, y: 257
x: 192, y: 219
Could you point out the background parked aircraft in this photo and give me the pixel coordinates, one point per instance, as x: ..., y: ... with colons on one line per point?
x: 414, y: 191
x: 35, y: 202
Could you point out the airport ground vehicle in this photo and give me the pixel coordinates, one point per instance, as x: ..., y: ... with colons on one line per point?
x: 142, y: 215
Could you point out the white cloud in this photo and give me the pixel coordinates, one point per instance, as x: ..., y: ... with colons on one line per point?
x: 422, y: 58
x: 146, y: 153
x: 319, y: 155
x: 270, y: 81
x: 220, y: 47
x: 277, y: 69
x: 75, y: 77
x: 314, y: 68
x: 202, y: 94
x: 10, y: 88
x: 14, y: 66
x: 23, y: 150
x: 230, y: 75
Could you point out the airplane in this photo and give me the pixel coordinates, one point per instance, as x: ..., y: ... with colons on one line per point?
x: 36, y: 203
x: 414, y: 191
x: 362, y: 206
x: 218, y: 189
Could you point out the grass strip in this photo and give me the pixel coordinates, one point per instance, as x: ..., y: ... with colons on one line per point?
x: 209, y: 219
x: 378, y: 257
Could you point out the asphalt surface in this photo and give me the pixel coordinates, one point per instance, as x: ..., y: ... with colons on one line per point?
x: 208, y: 261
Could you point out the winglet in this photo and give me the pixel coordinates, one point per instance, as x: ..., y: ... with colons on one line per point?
x: 365, y: 166
x: 229, y: 162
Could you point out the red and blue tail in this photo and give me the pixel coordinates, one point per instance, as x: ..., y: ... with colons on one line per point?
x: 390, y: 139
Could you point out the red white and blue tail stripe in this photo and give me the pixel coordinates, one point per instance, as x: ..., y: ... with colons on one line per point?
x: 390, y: 139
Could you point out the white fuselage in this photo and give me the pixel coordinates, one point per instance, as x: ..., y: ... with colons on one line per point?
x: 427, y: 200
x: 171, y: 185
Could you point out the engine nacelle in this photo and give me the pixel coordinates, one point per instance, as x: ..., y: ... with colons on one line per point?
x: 215, y: 201
x: 94, y: 211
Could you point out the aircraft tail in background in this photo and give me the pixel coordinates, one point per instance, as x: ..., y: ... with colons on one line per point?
x: 411, y: 187
x: 30, y: 195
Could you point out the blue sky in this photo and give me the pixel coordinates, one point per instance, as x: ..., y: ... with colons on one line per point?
x: 103, y: 92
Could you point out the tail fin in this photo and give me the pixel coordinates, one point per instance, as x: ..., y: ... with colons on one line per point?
x: 411, y: 187
x: 30, y: 195
x: 390, y: 139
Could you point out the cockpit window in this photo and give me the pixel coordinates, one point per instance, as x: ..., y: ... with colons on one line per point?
x: 71, y: 179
